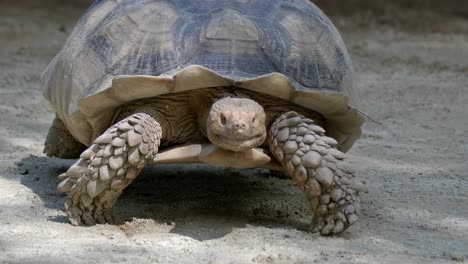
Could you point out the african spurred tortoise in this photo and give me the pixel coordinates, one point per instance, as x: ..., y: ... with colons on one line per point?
x: 240, y: 83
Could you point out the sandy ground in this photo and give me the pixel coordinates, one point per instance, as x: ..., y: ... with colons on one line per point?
x: 413, y: 79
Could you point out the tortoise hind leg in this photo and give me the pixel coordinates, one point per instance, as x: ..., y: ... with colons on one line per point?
x: 108, y: 166
x: 60, y: 143
x: 317, y: 167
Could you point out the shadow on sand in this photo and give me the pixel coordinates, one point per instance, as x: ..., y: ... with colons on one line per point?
x: 202, y: 202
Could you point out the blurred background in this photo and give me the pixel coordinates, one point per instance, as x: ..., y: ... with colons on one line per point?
x: 424, y: 15
x: 459, y: 7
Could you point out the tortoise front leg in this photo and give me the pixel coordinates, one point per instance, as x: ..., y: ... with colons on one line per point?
x: 313, y: 162
x: 96, y: 180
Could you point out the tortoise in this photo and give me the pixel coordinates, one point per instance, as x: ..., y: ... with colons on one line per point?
x: 241, y: 83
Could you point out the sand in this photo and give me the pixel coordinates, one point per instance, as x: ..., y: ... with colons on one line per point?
x: 413, y: 78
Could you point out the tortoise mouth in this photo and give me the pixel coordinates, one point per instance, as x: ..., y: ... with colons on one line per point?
x: 237, y: 145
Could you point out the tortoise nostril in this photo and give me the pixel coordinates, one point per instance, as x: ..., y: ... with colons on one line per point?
x: 240, y: 125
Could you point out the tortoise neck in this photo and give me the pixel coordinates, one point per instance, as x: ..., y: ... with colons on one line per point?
x: 183, y: 116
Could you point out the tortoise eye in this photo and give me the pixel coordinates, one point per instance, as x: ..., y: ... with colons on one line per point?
x: 222, y: 119
x: 253, y: 120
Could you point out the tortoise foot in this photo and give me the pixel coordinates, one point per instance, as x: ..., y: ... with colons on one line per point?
x: 80, y: 215
x: 338, y: 209
x: 60, y: 143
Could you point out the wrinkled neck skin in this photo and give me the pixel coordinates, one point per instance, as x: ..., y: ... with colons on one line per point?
x: 236, y: 124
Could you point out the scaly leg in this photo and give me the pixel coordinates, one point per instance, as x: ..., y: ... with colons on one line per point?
x: 313, y: 162
x: 96, y: 180
x: 60, y: 143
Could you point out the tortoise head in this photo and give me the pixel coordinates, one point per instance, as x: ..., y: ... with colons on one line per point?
x: 236, y: 124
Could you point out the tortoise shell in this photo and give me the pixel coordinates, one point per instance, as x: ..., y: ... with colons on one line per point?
x: 123, y: 50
